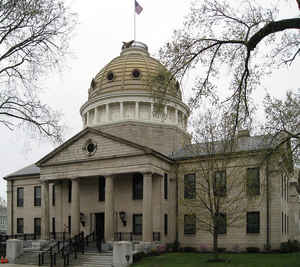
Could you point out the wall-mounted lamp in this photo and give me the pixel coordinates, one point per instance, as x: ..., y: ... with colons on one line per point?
x: 122, y: 215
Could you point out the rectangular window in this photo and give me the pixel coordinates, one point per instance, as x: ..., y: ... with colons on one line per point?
x: 137, y: 224
x: 53, y: 225
x: 189, y: 186
x: 166, y: 185
x: 70, y: 190
x: 20, y: 226
x: 20, y: 197
x: 190, y: 224
x: 137, y: 186
x: 37, y: 226
x: 282, y: 225
x: 53, y: 195
x: 221, y: 224
x: 253, y: 224
x: 69, y: 224
x: 220, y: 183
x: 101, y: 188
x: 166, y: 224
x: 37, y: 196
x: 253, y: 181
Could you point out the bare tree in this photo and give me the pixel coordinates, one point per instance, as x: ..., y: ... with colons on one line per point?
x: 216, y: 198
x: 283, y: 116
x: 246, y: 38
x: 34, y: 37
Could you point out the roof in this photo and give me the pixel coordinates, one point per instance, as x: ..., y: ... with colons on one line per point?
x: 33, y: 169
x: 245, y: 143
x: 27, y: 171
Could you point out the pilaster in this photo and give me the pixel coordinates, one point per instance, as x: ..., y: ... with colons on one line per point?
x: 45, y: 224
x: 147, y: 208
x: 75, y: 208
x: 109, y: 209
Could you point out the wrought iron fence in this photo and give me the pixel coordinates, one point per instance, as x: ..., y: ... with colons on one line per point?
x: 129, y: 236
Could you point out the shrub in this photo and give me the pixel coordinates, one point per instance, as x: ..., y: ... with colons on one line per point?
x: 221, y: 250
x: 290, y: 246
x: 189, y: 249
x: 236, y: 248
x: 175, y: 246
x: 154, y: 252
x: 138, y: 256
x: 203, y: 248
x: 162, y: 248
x: 252, y: 249
x: 169, y: 247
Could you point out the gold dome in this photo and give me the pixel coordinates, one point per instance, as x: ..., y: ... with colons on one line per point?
x: 135, y: 70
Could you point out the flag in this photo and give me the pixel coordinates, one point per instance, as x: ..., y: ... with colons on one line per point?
x: 139, y: 9
x: 298, y: 2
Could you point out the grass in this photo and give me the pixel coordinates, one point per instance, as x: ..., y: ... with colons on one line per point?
x: 237, y: 260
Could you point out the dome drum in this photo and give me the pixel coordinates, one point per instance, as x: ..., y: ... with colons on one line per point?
x: 130, y: 88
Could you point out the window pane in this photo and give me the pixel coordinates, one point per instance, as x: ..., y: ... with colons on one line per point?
x: 20, y: 197
x: 101, y: 188
x: 253, y: 181
x: 253, y: 224
x: 221, y: 224
x: 189, y: 224
x: 20, y: 225
x: 189, y: 186
x: 137, y: 224
x: 37, y: 196
x: 220, y: 183
x: 137, y: 186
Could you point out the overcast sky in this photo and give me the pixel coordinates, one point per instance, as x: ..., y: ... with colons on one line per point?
x: 103, y: 25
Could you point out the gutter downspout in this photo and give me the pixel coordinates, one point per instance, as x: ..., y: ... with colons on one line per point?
x: 176, y: 225
x: 268, y: 245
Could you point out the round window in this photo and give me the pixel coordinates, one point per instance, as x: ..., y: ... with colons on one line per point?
x: 91, y: 148
x: 110, y: 76
x: 136, y: 73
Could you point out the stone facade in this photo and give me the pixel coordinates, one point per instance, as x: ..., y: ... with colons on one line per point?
x: 122, y: 176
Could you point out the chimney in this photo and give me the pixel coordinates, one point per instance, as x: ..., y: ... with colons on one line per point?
x: 243, y: 133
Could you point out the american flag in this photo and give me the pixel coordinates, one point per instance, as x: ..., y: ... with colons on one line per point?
x: 138, y: 8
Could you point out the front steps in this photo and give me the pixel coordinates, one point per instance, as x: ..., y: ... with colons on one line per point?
x: 94, y: 259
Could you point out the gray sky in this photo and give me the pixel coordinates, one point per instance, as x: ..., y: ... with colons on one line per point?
x: 103, y: 25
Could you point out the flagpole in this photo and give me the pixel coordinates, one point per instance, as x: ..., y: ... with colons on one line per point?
x: 134, y: 21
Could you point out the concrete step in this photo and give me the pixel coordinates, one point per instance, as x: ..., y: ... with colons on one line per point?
x: 95, y: 259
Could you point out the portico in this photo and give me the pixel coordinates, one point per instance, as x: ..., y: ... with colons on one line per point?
x: 112, y: 222
x: 80, y: 180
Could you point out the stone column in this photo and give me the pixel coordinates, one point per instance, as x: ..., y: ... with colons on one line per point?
x: 151, y: 112
x: 107, y: 112
x: 176, y: 116
x: 10, y: 206
x: 95, y: 116
x: 59, y: 204
x: 121, y: 110
x: 147, y: 208
x: 88, y: 118
x: 109, y: 209
x: 75, y: 208
x: 137, y: 110
x: 45, y: 226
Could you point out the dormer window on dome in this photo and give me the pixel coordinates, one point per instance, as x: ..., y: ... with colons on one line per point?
x: 136, y: 74
x: 110, y: 76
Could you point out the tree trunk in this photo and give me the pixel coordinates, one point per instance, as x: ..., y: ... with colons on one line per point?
x: 216, y: 252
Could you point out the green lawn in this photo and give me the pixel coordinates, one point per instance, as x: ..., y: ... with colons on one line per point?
x: 237, y: 260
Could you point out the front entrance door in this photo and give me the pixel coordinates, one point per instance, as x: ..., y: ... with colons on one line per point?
x: 99, y: 229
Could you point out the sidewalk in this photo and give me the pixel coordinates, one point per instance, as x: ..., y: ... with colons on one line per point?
x: 17, y: 265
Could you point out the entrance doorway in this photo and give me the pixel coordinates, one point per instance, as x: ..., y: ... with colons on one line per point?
x: 99, y: 229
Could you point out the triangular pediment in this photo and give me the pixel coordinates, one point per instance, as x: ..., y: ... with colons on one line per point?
x: 103, y: 146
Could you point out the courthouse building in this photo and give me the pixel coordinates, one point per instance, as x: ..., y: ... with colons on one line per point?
x: 123, y: 175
